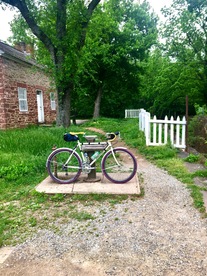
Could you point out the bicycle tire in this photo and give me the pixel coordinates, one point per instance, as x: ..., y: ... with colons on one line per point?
x: 58, y: 171
x: 119, y: 174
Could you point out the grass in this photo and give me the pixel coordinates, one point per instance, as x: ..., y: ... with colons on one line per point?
x: 23, y: 152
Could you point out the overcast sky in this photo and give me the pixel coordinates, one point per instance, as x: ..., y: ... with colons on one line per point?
x: 7, y: 16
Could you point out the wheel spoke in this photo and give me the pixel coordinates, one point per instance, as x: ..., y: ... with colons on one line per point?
x: 64, y: 166
x: 123, y: 172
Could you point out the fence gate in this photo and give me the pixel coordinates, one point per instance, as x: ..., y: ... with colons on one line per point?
x: 159, y: 132
x: 132, y: 113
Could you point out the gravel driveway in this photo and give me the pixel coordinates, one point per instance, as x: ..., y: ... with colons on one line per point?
x: 160, y: 234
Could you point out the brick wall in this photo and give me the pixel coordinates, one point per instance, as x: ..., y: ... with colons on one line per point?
x: 2, y: 111
x: 14, y: 74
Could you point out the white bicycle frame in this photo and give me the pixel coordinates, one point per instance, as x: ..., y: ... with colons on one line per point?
x: 108, y: 148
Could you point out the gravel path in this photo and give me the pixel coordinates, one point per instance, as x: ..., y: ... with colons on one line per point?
x: 160, y: 234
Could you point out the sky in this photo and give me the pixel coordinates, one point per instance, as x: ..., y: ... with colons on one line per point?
x: 7, y: 16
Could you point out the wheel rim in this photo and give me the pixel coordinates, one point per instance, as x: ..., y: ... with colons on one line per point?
x: 60, y: 171
x: 119, y: 174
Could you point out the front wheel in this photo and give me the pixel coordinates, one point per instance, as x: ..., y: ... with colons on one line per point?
x: 64, y: 166
x: 119, y: 165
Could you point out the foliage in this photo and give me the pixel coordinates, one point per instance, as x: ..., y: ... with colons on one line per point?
x: 13, y: 172
x: 161, y: 152
x: 192, y: 158
x: 178, y: 65
x: 166, y: 84
x: 110, y: 65
x: 186, y: 38
x: 200, y: 110
x: 198, y: 133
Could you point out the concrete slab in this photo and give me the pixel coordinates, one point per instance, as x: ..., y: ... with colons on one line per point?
x: 4, y: 253
x: 48, y: 186
x: 85, y: 187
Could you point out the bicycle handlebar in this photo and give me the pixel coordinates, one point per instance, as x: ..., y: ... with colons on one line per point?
x: 112, y: 136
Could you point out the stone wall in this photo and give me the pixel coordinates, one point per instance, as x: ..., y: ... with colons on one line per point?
x: 15, y: 74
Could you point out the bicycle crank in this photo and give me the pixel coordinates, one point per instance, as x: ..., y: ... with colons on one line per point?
x: 86, y: 168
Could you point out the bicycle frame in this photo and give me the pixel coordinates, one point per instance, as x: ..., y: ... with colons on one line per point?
x: 109, y: 147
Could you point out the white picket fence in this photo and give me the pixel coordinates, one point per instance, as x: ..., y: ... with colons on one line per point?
x: 159, y: 132
x: 132, y: 113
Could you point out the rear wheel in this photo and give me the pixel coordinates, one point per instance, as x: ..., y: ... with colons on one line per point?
x: 64, y: 166
x: 119, y: 165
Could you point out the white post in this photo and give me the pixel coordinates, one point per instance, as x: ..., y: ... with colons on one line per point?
x: 160, y: 134
x: 172, y: 131
x: 141, y: 119
x: 177, y: 143
x: 183, y: 132
x: 166, y: 130
x: 154, y: 130
x: 147, y: 128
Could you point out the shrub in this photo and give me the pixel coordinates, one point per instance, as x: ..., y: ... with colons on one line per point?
x: 198, y: 133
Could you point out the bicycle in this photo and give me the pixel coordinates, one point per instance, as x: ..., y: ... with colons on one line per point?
x: 65, y: 165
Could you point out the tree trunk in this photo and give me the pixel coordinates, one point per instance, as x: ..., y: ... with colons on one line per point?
x: 64, y: 105
x: 97, y: 104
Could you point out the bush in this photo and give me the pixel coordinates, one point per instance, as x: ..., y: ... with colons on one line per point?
x: 197, y: 133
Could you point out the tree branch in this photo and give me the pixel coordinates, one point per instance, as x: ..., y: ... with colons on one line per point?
x: 92, y: 6
x: 61, y: 19
x: 90, y: 10
x: 37, y: 31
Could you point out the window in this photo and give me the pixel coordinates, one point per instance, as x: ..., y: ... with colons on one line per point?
x: 22, y: 96
x: 52, y: 101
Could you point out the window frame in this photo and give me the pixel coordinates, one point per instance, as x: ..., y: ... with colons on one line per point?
x: 52, y: 101
x: 22, y: 98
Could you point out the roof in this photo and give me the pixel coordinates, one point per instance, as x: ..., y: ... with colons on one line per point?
x: 12, y: 53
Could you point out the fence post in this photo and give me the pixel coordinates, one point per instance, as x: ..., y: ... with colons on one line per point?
x: 154, y: 130
x: 142, y: 115
x: 160, y: 134
x: 177, y: 141
x: 166, y: 130
x: 172, y: 131
x: 140, y: 120
x: 147, y: 128
x: 184, y: 142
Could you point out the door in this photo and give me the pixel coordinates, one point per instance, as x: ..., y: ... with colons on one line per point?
x: 40, y: 108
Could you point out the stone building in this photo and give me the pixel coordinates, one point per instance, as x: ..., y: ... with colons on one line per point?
x: 25, y: 94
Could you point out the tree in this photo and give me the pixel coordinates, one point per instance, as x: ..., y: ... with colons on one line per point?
x: 186, y: 37
x: 166, y: 83
x: 112, y: 56
x: 61, y: 27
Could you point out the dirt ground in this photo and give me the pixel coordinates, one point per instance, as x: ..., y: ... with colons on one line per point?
x: 54, y: 267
